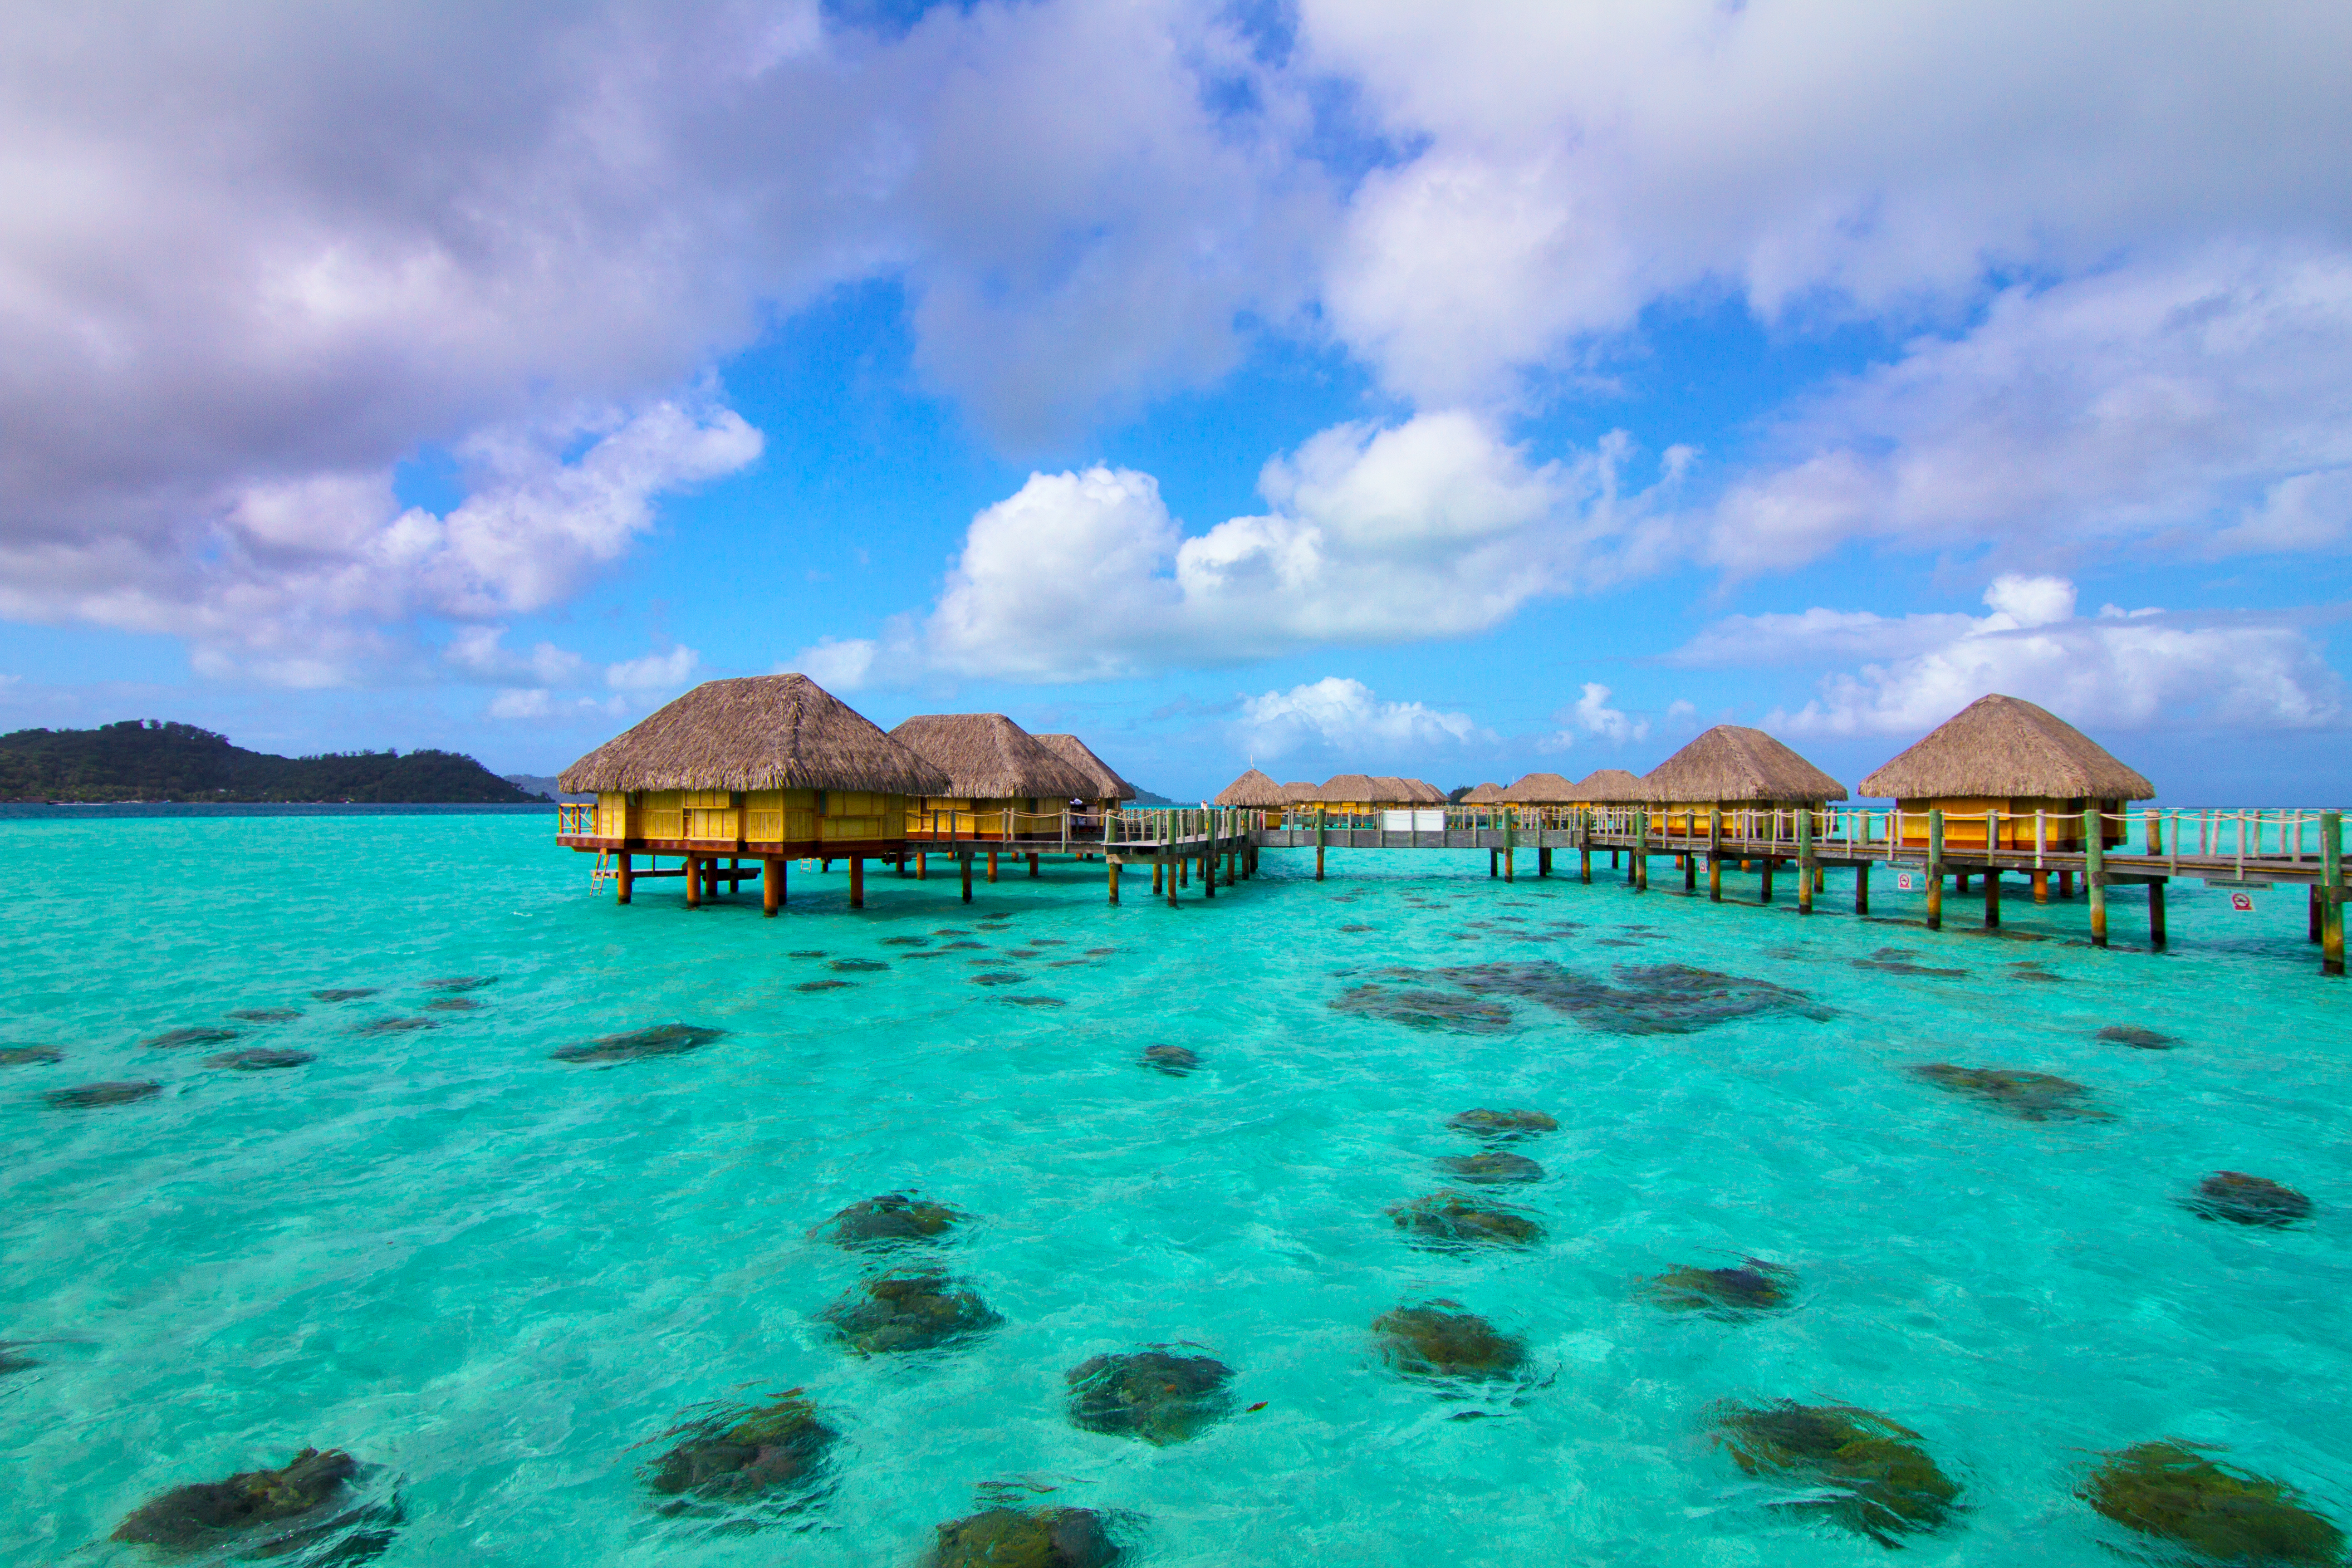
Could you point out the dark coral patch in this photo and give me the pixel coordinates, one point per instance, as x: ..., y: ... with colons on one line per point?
x: 1424, y: 1009
x: 2140, y: 1039
x: 908, y: 1310
x: 894, y: 1219
x: 89, y: 1096
x: 2173, y: 1491
x: 742, y: 1452
x: 1447, y: 1221
x: 199, y: 1515
x: 1174, y: 1060
x: 825, y: 985
x: 1025, y: 1537
x: 1152, y: 1394
x: 659, y: 1040
x: 1650, y: 999
x: 997, y: 977
x: 393, y: 1026
x: 2242, y: 1199
x: 1036, y: 1001
x: 266, y: 1014
x: 453, y: 1004
x: 905, y: 942
x: 457, y: 983
x: 858, y: 965
x: 30, y: 1056
x: 1491, y: 1167
x: 2028, y: 1095
x: 1438, y: 1340
x: 258, y: 1060
x: 347, y: 994
x: 1503, y: 1126
x: 1860, y: 1469
x: 173, y: 1039
x: 805, y: 953
x: 1897, y: 960
x: 1753, y: 1287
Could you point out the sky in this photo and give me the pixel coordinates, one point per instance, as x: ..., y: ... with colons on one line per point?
x: 1317, y: 385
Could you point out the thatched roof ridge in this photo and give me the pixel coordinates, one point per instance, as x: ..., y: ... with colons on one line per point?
x: 1541, y: 789
x: 1611, y: 786
x: 1732, y: 762
x: 1425, y: 793
x: 2004, y: 747
x: 987, y: 757
x: 1253, y: 789
x: 1485, y: 794
x: 1349, y: 786
x: 1109, y: 785
x: 1299, y: 792
x: 758, y: 732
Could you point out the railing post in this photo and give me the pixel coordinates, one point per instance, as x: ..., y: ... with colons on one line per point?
x: 1804, y: 859
x: 1319, y: 820
x: 1934, y: 867
x: 2331, y: 884
x: 2094, y: 873
x: 1510, y: 843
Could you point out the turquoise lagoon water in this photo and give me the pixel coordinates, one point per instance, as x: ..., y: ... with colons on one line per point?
x: 494, y: 1277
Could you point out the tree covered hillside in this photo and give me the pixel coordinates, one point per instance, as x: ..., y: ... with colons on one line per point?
x: 149, y: 759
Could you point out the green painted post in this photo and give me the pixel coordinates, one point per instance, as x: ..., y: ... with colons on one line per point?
x: 2331, y: 892
x: 1804, y: 859
x: 2094, y: 873
x: 1934, y: 867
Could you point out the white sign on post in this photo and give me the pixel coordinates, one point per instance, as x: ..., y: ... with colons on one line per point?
x: 1903, y: 881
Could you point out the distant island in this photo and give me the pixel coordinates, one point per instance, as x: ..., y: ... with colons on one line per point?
x: 151, y: 760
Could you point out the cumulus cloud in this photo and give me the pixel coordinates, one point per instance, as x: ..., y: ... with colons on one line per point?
x: 1437, y: 527
x: 1564, y: 165
x: 2122, y: 670
x: 1346, y: 717
x: 2140, y: 403
x: 1595, y: 717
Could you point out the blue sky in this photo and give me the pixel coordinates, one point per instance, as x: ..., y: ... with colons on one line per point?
x: 1358, y: 386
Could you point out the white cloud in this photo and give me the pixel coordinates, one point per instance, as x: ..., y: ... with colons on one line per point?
x: 2122, y: 670
x: 521, y: 702
x: 1346, y: 717
x: 1593, y: 711
x: 655, y: 672
x: 2132, y: 405
x: 1433, y: 528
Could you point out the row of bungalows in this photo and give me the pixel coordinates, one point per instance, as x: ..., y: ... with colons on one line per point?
x: 2004, y: 773
x: 1003, y: 784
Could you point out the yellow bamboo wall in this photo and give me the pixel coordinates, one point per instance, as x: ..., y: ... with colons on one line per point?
x: 755, y: 816
x: 617, y: 815
x: 1965, y: 825
x: 984, y: 818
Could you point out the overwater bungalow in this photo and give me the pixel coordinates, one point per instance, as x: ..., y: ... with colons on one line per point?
x: 1539, y: 789
x: 1003, y: 784
x: 1611, y: 786
x: 1254, y: 790
x: 1483, y: 795
x: 1349, y: 795
x: 1733, y: 769
x: 1109, y: 790
x: 2007, y: 774
x: 769, y: 767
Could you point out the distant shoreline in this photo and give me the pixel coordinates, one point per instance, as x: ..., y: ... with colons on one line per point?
x: 35, y: 811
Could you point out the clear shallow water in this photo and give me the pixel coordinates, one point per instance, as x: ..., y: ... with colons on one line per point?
x: 495, y: 1275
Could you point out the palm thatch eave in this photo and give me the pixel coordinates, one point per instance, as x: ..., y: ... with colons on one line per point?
x: 987, y: 757
x: 2005, y: 747
x: 1737, y: 765
x: 753, y: 733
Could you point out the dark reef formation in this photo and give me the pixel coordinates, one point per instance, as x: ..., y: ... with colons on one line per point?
x: 30, y: 1056
x: 659, y: 1040
x: 908, y: 1310
x: 894, y: 1219
x: 395, y: 1025
x: 1861, y: 1470
x: 454, y: 983
x: 1897, y: 960
x: 2028, y: 1095
x: 258, y: 1060
x: 1152, y: 1394
x: 85, y: 1097
x: 1491, y: 1167
x: 453, y: 1004
x: 1034, y: 1001
x: 1503, y: 1126
x: 2241, y: 1199
x: 1174, y: 1060
x: 856, y: 965
x: 1754, y: 1285
x: 266, y: 1014
x: 1424, y: 1009
x: 1025, y: 1537
x: 1438, y: 1340
x: 2172, y: 1491
x: 190, y: 1516
x: 1447, y: 1221
x: 346, y: 994
x: 744, y: 1452
x: 174, y: 1038
x: 2132, y: 1035
x: 825, y: 985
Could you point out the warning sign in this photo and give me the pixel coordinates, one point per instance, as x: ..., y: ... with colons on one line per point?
x: 1903, y: 881
x: 2242, y: 902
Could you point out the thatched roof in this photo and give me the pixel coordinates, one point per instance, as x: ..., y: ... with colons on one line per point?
x: 1424, y: 792
x: 1541, y: 789
x: 1733, y: 764
x: 2002, y: 748
x: 760, y: 731
x: 1107, y: 785
x: 1608, y: 786
x: 1299, y: 792
x: 1485, y: 794
x: 1349, y: 786
x: 987, y: 757
x: 1252, y: 788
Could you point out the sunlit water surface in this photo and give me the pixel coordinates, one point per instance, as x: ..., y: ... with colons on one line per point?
x: 496, y: 1277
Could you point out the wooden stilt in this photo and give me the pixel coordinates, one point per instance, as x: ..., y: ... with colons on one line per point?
x: 1715, y: 878
x: 1209, y: 876
x: 1959, y: 881
x: 2155, y: 934
x: 2331, y: 892
x: 1320, y: 827
x: 1767, y: 865
x: 783, y: 882
x: 1543, y: 861
x: 1714, y: 855
x: 694, y: 882
x: 1690, y: 873
x: 1806, y: 869
x: 825, y: 865
x: 772, y: 879
x: 1156, y: 869
x: 1510, y: 866
x: 991, y: 865
x: 1584, y: 863
x: 1171, y: 886
x: 964, y: 862
x: 2066, y: 885
x: 1184, y: 870
x: 626, y: 884
x: 922, y: 865
x: 1613, y: 859
x: 2094, y: 874
x: 1934, y: 867
x: 1494, y: 861
x: 1318, y: 862
x: 2315, y: 907
x: 1033, y: 864
x: 2041, y: 887
x: 1992, y: 898
x: 1114, y: 881
x: 1861, y: 888
x: 899, y: 863
x: 858, y: 881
